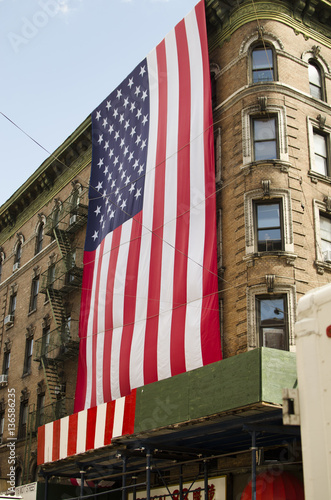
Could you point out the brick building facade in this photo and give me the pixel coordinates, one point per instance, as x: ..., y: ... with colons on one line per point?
x: 42, y: 237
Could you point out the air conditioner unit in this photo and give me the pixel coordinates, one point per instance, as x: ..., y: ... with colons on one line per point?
x: 327, y: 256
x: 9, y: 320
x: 16, y: 266
x: 72, y: 219
x: 3, y: 379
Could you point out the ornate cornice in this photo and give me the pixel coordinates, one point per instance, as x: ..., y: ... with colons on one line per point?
x: 43, y: 180
x: 312, y: 18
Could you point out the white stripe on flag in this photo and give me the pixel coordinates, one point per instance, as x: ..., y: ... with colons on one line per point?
x: 64, y: 431
x: 89, y: 336
x: 101, y: 318
x: 170, y: 211
x: 138, y: 339
x: 119, y: 417
x: 193, y: 355
x: 100, y: 426
x: 118, y: 307
x: 81, y: 431
x: 49, y: 442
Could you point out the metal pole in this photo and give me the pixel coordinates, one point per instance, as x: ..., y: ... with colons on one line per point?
x: 181, y: 482
x: 82, y: 479
x: 124, y: 479
x: 134, y: 491
x: 254, y: 448
x: 148, y: 475
x: 205, y: 471
x: 46, y: 488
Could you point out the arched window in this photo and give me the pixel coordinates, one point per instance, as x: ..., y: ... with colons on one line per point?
x: 263, y: 64
x: 316, y: 86
x: 39, y: 238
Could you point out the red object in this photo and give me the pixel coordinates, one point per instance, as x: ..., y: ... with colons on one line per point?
x: 328, y: 331
x: 149, y: 304
x: 275, y: 485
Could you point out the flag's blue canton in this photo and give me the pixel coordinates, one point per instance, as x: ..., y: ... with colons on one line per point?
x: 120, y: 128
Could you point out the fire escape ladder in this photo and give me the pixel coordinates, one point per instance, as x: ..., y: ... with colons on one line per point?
x: 63, y: 241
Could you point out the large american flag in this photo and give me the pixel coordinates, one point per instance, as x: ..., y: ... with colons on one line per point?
x: 149, y: 307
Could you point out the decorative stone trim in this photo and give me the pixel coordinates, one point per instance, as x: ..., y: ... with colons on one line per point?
x: 255, y: 36
x: 281, y: 194
x: 315, y: 53
x: 278, y: 289
x: 247, y: 114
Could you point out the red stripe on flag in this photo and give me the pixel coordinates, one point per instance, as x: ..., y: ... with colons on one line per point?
x: 130, y: 303
x: 150, y: 357
x: 41, y: 446
x: 109, y: 421
x: 210, y: 339
x: 89, y: 258
x: 115, y: 245
x: 90, y: 427
x: 72, y: 434
x: 95, y: 329
x: 177, y: 349
x: 129, y: 413
x: 56, y: 440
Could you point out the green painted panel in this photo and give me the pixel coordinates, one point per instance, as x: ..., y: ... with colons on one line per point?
x: 221, y: 386
x: 278, y: 372
x: 231, y: 383
x: 252, y: 377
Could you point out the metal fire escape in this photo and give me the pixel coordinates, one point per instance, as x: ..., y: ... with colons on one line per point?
x: 63, y: 277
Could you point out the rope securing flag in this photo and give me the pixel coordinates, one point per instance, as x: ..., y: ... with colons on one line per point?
x: 149, y: 306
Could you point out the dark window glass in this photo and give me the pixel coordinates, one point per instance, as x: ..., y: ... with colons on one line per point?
x: 262, y: 65
x: 34, y: 294
x: 18, y: 254
x: 28, y: 355
x: 23, y: 419
x: 40, y: 237
x: 6, y: 362
x: 315, y: 81
x: 325, y: 233
x: 18, y: 476
x: 320, y: 153
x: 40, y: 410
x: 46, y: 341
x: 265, y: 138
x: 272, y: 322
x: 2, y: 425
x: 12, y: 304
x: 269, y: 233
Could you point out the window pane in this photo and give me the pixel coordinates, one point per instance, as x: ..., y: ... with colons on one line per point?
x: 315, y: 91
x: 264, y: 129
x: 269, y: 236
x: 265, y: 144
x: 274, y: 338
x: 269, y: 241
x: 320, y: 156
x: 325, y: 232
x: 319, y: 144
x: 268, y: 215
x: 314, y: 75
x: 262, y: 62
x: 265, y: 151
x: 315, y: 81
x: 272, y: 309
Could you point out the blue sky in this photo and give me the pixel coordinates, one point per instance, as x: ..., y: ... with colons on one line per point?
x: 59, y: 60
